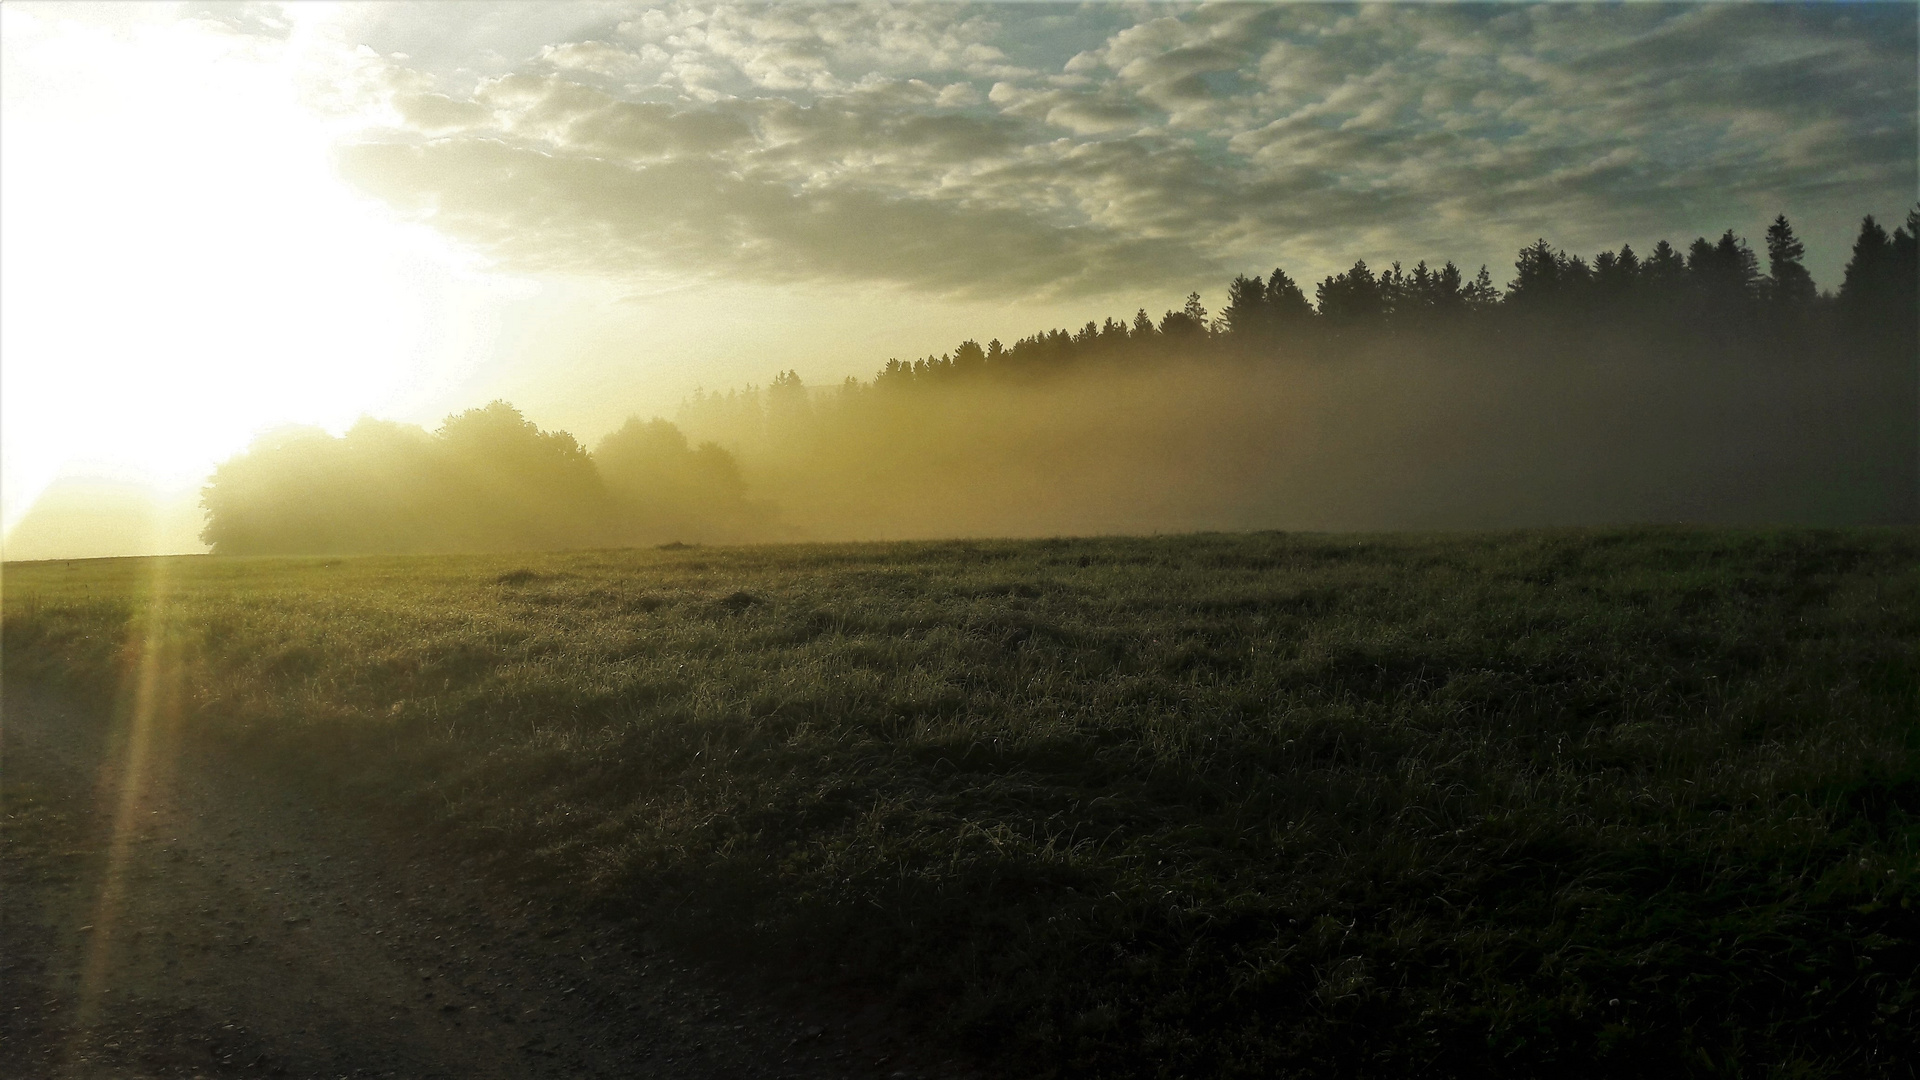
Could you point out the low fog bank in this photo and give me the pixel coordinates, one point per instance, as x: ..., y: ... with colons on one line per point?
x: 1372, y: 434
x: 1381, y: 440
x: 1627, y: 390
x: 91, y: 518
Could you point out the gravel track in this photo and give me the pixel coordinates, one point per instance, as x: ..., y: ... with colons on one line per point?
x: 201, y: 922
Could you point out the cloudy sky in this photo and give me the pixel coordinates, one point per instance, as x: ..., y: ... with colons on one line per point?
x: 222, y: 217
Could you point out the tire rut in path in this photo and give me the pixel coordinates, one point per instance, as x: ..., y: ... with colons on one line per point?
x: 210, y: 924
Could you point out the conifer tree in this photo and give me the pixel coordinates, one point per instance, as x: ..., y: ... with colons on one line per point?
x: 1396, y: 291
x: 1193, y: 310
x: 1868, y: 279
x: 1663, y: 270
x: 1285, y: 301
x: 1788, y: 283
x: 1481, y: 295
x: 969, y: 357
x: 1613, y: 274
x: 1420, y: 287
x: 1350, y: 298
x: 1246, y: 312
x: 1448, y: 295
x: 1539, y: 275
x: 1736, y: 263
x: 1906, y: 259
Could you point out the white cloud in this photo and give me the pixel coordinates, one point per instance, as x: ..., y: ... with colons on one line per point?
x: 1215, y: 134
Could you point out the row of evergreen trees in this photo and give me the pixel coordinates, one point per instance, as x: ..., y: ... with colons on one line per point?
x: 1716, y: 285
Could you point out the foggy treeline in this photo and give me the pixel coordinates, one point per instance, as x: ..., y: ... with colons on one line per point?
x: 1706, y: 386
x: 488, y: 479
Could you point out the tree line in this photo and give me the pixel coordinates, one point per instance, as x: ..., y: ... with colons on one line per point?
x: 1717, y: 287
x: 856, y: 454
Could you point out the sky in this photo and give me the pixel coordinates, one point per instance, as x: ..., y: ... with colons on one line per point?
x: 221, y: 218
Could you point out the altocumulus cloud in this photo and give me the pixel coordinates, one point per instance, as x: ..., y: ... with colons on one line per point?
x: 1029, y: 150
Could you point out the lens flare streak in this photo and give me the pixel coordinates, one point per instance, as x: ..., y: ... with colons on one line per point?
x: 148, y: 704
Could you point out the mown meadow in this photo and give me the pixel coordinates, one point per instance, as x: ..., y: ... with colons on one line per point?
x: 1575, y: 803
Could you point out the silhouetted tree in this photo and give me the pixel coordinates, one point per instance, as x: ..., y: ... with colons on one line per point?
x: 1396, y: 292
x: 1287, y: 303
x: 1447, y: 290
x: 1881, y: 290
x: 1629, y: 262
x: 1188, y: 323
x: 969, y: 358
x: 1907, y: 236
x: 1869, y: 280
x: 1664, y: 270
x: 1537, y: 274
x: 1727, y: 272
x: 1351, y: 298
x: 1481, y: 295
x: 1247, y: 311
x: 1906, y: 260
x: 1788, y: 283
x: 1546, y: 278
x: 1615, y: 274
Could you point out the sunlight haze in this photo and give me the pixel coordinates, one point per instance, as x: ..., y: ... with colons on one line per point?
x: 222, y: 219
x: 1120, y: 539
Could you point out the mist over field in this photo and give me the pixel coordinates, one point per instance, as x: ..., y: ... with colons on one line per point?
x: 82, y: 517
x: 1698, y: 392
x: 1624, y: 391
x: 600, y: 210
x: 1378, y: 440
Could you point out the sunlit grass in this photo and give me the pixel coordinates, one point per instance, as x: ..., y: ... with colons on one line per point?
x: 1207, y: 805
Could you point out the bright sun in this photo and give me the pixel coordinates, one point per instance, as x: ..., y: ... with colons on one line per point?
x: 182, y: 266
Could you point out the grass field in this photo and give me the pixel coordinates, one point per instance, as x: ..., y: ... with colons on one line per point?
x: 1578, y: 803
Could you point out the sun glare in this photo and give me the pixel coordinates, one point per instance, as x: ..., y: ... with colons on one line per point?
x: 182, y: 265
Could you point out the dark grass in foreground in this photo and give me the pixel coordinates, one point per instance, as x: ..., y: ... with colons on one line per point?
x: 1572, y: 803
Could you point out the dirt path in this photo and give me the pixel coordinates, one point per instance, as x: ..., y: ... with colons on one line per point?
x: 203, y: 923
